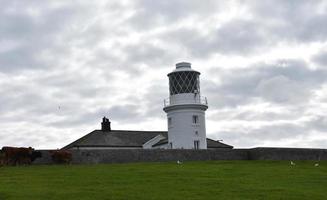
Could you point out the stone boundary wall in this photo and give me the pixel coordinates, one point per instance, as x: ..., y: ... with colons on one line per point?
x: 146, y: 155
x: 162, y: 155
x: 287, y: 154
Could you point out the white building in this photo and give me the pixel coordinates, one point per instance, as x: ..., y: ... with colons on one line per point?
x: 106, y: 138
x: 185, y: 109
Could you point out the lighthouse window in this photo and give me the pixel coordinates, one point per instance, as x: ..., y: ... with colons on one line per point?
x: 195, y: 119
x: 169, y: 121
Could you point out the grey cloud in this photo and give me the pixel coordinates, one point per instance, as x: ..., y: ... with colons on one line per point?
x: 33, y: 137
x: 273, y: 23
x: 320, y: 58
x: 54, y: 96
x: 23, y: 58
x: 63, y: 54
x: 121, y: 113
x: 277, y: 133
x: 125, y: 113
x: 316, y: 143
x: 287, y: 114
x: 284, y: 9
x: 147, y: 53
x: 84, y: 117
x: 297, y: 21
x: 237, y: 36
x: 36, y: 37
x: 318, y: 123
x: 150, y: 14
x: 77, y: 84
x: 281, y: 89
x: 154, y: 100
x: 16, y: 97
x: 189, y: 39
x: 18, y: 139
x: 287, y: 81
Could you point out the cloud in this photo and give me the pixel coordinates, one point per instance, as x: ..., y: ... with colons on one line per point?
x: 64, y: 65
x: 238, y: 36
x: 146, y: 53
x: 267, y: 104
x: 149, y: 14
x: 318, y: 123
x: 292, y: 21
x: 277, y: 134
x: 320, y: 58
x: 286, y: 81
x: 280, y: 89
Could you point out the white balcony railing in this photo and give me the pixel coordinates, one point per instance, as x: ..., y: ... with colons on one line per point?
x: 198, y: 100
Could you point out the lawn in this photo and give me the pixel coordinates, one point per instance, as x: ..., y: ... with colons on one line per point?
x: 190, y: 180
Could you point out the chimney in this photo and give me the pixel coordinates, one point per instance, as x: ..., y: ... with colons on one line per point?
x: 105, y: 125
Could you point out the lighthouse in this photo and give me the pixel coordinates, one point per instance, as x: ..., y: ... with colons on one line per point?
x: 185, y: 109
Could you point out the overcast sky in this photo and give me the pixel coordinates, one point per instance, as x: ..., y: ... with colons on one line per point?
x: 66, y: 64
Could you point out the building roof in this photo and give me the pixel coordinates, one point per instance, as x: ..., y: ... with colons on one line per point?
x: 217, y: 144
x: 161, y: 142
x: 210, y: 143
x: 124, y: 138
x: 115, y: 138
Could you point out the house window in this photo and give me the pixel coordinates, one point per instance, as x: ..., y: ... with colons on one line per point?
x: 196, y: 133
x: 195, y: 119
x: 196, y: 144
x: 169, y: 121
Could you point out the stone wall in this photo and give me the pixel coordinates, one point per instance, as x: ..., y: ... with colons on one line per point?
x: 287, y: 154
x: 155, y: 155
x: 162, y: 155
x: 146, y: 155
x: 45, y: 159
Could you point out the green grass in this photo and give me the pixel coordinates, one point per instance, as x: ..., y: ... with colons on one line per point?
x: 191, y: 180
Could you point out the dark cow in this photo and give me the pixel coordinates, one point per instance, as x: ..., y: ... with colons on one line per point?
x: 2, y: 158
x: 19, y: 156
x: 61, y: 156
x: 15, y: 155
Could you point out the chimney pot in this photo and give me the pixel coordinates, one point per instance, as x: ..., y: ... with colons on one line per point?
x: 105, y: 125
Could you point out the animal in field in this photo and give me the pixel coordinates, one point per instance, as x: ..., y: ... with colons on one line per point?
x: 2, y: 158
x: 19, y: 155
x: 61, y: 156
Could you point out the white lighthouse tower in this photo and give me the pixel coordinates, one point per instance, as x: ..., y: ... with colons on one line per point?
x: 185, y: 109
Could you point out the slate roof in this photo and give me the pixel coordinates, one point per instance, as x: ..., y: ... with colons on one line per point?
x: 161, y: 142
x: 124, y: 138
x: 216, y: 144
x: 115, y: 138
x: 210, y: 143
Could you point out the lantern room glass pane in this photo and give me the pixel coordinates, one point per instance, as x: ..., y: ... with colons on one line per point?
x: 184, y: 82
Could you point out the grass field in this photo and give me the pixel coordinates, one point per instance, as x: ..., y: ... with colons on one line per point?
x: 190, y: 180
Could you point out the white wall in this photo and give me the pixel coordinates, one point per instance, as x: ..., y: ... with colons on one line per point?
x: 182, y: 131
